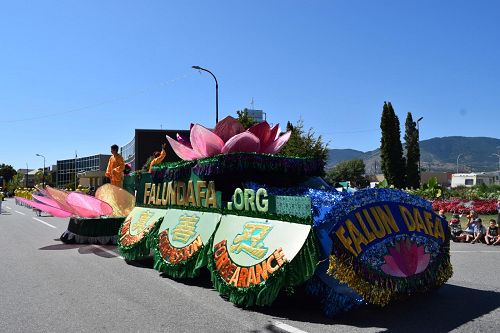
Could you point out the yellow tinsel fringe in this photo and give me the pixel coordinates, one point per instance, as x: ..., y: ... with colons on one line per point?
x: 377, y: 292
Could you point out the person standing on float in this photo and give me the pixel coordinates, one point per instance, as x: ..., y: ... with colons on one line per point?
x: 158, y: 157
x: 115, y: 168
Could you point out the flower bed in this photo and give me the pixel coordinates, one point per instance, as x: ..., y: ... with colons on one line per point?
x: 455, y: 205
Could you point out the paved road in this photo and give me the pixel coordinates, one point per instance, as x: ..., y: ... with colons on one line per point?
x: 47, y: 286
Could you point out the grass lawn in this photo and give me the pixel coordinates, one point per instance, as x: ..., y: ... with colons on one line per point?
x: 463, y: 219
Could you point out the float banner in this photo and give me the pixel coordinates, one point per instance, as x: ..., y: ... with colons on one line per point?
x: 135, y: 231
x: 188, y: 192
x: 290, y: 205
x: 250, y: 256
x: 181, y: 246
x: 389, y: 250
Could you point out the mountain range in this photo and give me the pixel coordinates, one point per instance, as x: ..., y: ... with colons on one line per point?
x: 450, y: 153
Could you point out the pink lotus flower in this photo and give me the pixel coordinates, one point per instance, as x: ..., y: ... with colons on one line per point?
x: 229, y: 136
x: 63, y: 204
x: 405, y: 259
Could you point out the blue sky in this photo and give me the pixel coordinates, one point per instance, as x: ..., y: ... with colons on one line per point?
x: 82, y: 75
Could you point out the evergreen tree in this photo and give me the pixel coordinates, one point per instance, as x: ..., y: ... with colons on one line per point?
x: 412, y: 153
x: 393, y: 162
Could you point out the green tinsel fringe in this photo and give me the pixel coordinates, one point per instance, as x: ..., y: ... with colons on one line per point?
x: 143, y: 247
x: 187, y: 269
x: 293, y: 273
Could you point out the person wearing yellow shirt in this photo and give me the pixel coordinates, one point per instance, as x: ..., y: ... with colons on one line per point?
x: 158, y: 157
x: 115, y: 168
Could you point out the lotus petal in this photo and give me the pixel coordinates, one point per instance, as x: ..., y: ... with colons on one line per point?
x: 423, y: 261
x: 184, y: 141
x: 405, y: 259
x: 243, y: 142
x: 391, y: 268
x: 227, y: 128
x: 205, y: 142
x: 47, y: 201
x: 88, y: 206
x: 275, y: 132
x: 276, y: 146
x: 183, y: 151
x: 263, y: 132
x: 59, y: 196
x: 45, y: 208
x: 119, y: 199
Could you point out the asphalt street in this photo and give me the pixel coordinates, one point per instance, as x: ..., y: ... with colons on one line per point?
x: 48, y: 286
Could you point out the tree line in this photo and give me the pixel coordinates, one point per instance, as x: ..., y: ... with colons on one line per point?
x: 399, y: 170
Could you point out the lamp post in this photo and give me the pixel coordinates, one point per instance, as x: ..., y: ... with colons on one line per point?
x: 216, y: 91
x: 457, y: 160
x: 43, y: 175
x: 26, y: 175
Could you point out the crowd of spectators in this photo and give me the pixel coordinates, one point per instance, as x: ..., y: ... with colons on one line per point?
x: 475, y: 231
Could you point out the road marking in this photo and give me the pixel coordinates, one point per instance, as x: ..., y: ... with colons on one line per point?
x: 108, y: 251
x: 48, y: 224
x: 286, y: 328
x: 20, y: 212
x: 8, y: 207
x: 475, y: 251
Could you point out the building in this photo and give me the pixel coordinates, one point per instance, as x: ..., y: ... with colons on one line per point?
x: 472, y: 179
x: 90, y: 171
x: 443, y: 178
x: 28, y: 177
x: 257, y: 115
x: 145, y: 142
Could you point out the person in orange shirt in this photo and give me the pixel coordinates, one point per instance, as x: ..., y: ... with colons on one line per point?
x: 115, y: 168
x: 158, y: 157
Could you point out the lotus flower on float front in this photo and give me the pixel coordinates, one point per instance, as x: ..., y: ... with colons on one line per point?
x: 405, y: 259
x: 115, y: 202
x: 229, y: 136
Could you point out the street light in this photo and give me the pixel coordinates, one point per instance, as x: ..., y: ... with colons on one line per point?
x: 43, y: 176
x: 216, y: 91
x: 497, y: 155
x: 457, y: 160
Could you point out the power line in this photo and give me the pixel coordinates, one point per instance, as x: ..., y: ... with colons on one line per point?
x: 109, y: 101
x: 352, y: 132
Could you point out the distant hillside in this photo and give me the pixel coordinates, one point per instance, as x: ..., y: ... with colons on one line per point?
x: 437, y: 154
x: 338, y: 155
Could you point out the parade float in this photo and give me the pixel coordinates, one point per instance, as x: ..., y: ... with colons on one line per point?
x: 93, y: 219
x: 264, y: 223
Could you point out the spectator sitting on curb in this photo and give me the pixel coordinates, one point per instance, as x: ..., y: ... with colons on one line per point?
x: 468, y: 234
x: 455, y: 227
x: 491, y: 233
x: 479, y: 231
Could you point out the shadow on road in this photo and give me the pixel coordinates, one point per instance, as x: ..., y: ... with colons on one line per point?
x: 203, y: 280
x: 440, y: 311
x: 82, y: 249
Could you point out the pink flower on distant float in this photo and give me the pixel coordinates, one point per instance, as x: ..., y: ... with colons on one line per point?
x: 229, y: 136
x: 405, y: 259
